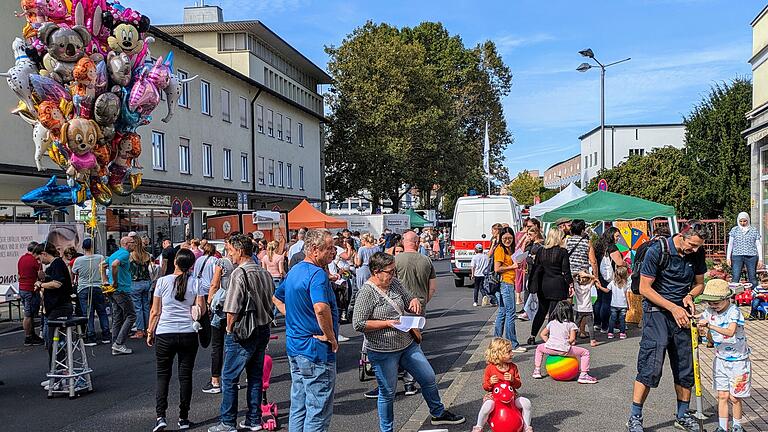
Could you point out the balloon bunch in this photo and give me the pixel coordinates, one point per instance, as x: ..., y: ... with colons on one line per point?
x: 85, y: 81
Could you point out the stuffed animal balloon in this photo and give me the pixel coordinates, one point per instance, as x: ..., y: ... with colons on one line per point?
x: 505, y: 416
x: 172, y: 94
x: 66, y: 45
x: 84, y: 87
x: 18, y: 76
x: 106, y: 109
x: 145, y: 93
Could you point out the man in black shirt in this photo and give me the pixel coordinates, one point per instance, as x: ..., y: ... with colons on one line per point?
x: 57, y: 286
x: 169, y: 255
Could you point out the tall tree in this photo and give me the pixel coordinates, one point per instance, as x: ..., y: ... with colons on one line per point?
x: 525, y: 187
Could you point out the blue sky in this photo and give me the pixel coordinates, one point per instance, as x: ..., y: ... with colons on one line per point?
x: 679, y: 48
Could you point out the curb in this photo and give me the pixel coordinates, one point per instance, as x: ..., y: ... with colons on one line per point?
x: 458, y: 377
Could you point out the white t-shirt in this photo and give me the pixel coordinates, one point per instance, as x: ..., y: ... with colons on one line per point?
x: 479, y: 262
x: 559, y: 332
x: 204, y: 282
x: 734, y: 348
x: 619, y: 296
x: 176, y: 316
x: 583, y: 296
x: 296, y: 248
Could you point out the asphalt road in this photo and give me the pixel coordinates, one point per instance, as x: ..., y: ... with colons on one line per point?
x: 125, y: 386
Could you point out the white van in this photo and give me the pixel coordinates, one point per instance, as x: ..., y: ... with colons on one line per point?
x: 473, y: 217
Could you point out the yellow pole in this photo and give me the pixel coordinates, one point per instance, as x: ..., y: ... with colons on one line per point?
x: 697, y: 374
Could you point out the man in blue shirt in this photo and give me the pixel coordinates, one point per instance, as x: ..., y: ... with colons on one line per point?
x: 669, y: 283
x: 123, y: 312
x: 312, y: 322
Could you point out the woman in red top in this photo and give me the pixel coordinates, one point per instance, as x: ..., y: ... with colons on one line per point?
x: 500, y: 368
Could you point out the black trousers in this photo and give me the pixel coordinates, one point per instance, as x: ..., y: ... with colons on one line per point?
x: 546, y: 307
x: 168, y: 346
x: 217, y: 348
x: 61, y: 312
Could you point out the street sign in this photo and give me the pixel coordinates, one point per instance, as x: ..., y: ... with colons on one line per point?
x: 602, y: 185
x: 186, y: 208
x: 276, y: 208
x: 175, y: 221
x: 176, y: 207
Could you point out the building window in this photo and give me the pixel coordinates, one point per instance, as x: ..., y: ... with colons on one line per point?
x: 290, y: 176
x: 225, y: 105
x: 595, y: 158
x: 260, y: 118
x: 261, y: 170
x: 586, y: 161
x: 207, y: 160
x: 243, y: 112
x: 301, y: 134
x: 244, y: 167
x: 271, y: 172
x: 205, y: 97
x: 301, y: 177
x: 158, y: 151
x: 279, y: 126
x: 636, y: 152
x: 280, y: 174
x: 226, y: 169
x: 288, y: 129
x: 270, y: 123
x: 184, y: 96
x: 184, y: 156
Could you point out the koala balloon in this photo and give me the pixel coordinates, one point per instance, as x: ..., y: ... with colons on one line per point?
x: 65, y: 47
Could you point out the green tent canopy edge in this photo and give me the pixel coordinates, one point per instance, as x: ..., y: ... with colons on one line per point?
x: 609, y: 206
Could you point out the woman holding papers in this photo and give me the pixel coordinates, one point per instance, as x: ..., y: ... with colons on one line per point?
x: 381, y: 302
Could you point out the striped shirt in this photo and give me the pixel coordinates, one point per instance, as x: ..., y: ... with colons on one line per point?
x: 369, y: 305
x: 578, y: 248
x: 259, y: 287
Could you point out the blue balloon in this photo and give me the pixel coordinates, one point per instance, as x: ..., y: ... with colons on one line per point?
x: 52, y: 196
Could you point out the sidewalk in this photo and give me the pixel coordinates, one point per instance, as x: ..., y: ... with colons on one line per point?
x: 756, y: 406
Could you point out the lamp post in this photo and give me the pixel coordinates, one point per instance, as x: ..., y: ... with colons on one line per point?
x: 585, y: 67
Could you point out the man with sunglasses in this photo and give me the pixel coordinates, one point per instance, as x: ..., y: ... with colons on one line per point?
x: 669, y: 282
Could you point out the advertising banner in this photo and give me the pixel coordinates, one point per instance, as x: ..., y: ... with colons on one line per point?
x: 14, y: 239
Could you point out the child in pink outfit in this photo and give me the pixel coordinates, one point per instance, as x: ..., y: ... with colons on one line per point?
x: 559, y: 338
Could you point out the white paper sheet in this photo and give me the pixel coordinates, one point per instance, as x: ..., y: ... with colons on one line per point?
x: 408, y: 322
x: 519, y: 256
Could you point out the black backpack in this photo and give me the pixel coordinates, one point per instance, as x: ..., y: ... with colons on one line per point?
x: 637, y: 265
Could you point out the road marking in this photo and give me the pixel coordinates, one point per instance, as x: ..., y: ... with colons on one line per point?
x: 12, y: 332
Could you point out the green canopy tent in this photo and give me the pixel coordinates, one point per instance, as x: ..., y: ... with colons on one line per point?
x: 417, y: 221
x: 610, y: 206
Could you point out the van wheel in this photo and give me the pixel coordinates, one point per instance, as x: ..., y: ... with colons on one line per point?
x: 459, y: 281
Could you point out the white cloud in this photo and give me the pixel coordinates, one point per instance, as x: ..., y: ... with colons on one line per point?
x: 508, y: 43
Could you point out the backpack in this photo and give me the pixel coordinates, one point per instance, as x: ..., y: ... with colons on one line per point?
x: 638, y: 263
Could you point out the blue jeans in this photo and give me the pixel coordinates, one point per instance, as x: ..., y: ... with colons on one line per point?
x: 506, y: 317
x: 312, y: 386
x: 602, y: 308
x: 141, y: 301
x: 385, y: 366
x: 739, y: 261
x: 96, y: 305
x: 618, y: 316
x: 247, y: 355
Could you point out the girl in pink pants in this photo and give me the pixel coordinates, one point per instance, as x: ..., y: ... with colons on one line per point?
x: 559, y: 338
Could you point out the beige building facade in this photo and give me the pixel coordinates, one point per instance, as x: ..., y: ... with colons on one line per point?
x: 563, y: 173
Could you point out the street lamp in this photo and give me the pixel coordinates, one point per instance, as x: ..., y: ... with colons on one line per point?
x: 585, y: 67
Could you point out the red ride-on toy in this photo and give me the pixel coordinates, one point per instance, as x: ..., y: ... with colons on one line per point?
x: 269, y: 419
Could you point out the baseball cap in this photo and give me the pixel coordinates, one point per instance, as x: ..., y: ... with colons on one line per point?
x: 562, y: 220
x: 479, y: 246
x: 87, y: 244
x: 132, y: 234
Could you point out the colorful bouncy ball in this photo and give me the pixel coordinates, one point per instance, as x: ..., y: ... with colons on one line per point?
x: 562, y: 368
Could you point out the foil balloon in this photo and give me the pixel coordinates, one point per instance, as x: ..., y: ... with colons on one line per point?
x: 81, y: 137
x: 106, y: 109
x: 52, y: 10
x: 84, y: 86
x: 52, y: 196
x: 65, y: 47
x: 145, y: 93
x: 119, y: 68
x: 18, y: 77
x: 172, y: 94
x: 46, y: 88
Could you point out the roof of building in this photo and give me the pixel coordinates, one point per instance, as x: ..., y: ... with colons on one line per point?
x: 632, y: 126
x: 578, y: 156
x: 759, y: 16
x: 155, y: 31
x: 257, y: 28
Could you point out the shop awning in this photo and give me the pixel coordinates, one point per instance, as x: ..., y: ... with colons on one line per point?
x: 304, y: 215
x: 609, y: 206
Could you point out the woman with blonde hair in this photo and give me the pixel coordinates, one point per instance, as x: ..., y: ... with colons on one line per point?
x: 141, y: 282
x: 273, y: 262
x: 367, y: 249
x: 552, y: 279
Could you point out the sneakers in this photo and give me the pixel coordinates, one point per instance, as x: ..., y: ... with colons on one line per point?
x: 251, y: 427
x: 211, y: 389
x: 531, y: 341
x: 474, y: 304
x: 89, y: 342
x: 221, y: 427
x: 448, y: 418
x: 635, y: 424
x: 587, y: 379
x: 184, y: 424
x: 120, y: 349
x: 737, y: 428
x: 687, y: 423
x: 410, y: 389
x: 622, y: 335
x: 536, y: 373
x: 33, y: 340
x: 523, y: 317
x: 610, y: 335
x: 477, y: 429
x: 160, y: 424
x: 372, y: 394
x: 106, y: 339
x: 342, y: 338
x: 719, y: 429
x: 603, y: 331
x: 139, y: 335
x: 519, y: 349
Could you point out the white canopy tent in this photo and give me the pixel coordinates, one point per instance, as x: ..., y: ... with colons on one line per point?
x: 565, y: 196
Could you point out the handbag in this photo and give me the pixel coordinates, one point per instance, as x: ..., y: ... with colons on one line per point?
x: 246, y: 324
x: 416, y: 333
x: 535, y: 277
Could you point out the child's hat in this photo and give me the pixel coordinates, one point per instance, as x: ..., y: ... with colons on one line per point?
x: 716, y: 290
x: 479, y: 246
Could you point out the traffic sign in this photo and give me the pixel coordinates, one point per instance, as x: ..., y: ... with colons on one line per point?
x: 176, y: 207
x: 276, y: 208
x: 602, y: 185
x: 186, y: 208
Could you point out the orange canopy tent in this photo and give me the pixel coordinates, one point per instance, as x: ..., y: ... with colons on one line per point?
x: 304, y: 215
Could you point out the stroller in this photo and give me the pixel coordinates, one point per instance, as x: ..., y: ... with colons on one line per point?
x: 269, y: 419
x: 364, y: 368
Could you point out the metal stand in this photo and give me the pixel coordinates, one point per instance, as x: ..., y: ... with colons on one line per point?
x: 697, y: 375
x: 69, y: 373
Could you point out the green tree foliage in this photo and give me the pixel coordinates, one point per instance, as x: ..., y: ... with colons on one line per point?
x: 408, y: 108
x: 525, y: 187
x: 710, y: 177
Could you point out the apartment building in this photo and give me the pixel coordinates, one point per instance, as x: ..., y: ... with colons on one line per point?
x: 563, y: 173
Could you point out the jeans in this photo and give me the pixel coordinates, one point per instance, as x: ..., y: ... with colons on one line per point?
x: 506, y: 317
x: 602, y: 308
x: 618, y: 316
x: 92, y: 302
x: 142, y: 303
x: 167, y: 347
x: 312, y: 386
x: 246, y: 355
x: 754, y: 313
x: 217, y: 349
x: 385, y: 366
x: 480, y: 287
x: 739, y: 261
x: 123, y: 316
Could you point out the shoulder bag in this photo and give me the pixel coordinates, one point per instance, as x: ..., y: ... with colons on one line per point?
x: 416, y: 333
x: 204, y: 335
x: 246, y: 325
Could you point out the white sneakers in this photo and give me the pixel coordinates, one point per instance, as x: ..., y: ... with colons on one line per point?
x: 120, y: 349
